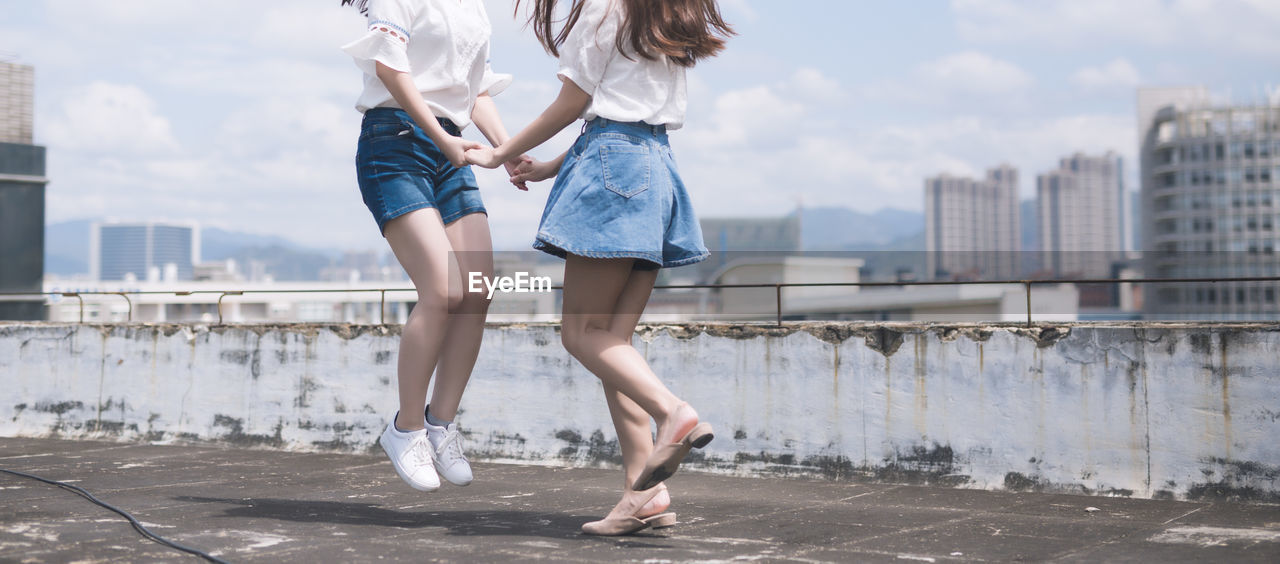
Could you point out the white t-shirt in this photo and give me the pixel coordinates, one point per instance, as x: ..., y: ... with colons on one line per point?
x: 442, y: 44
x: 621, y: 89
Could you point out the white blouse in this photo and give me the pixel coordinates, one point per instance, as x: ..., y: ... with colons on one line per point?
x: 442, y: 44
x: 621, y: 89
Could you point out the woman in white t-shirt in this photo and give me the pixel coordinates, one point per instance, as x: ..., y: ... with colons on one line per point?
x: 619, y: 212
x: 427, y: 77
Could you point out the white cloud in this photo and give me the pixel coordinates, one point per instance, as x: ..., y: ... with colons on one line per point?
x: 243, y: 116
x: 106, y: 118
x: 278, y: 29
x: 1240, y: 26
x: 279, y: 125
x: 975, y: 73
x: 966, y: 81
x: 810, y: 83
x: 255, y: 78
x: 757, y: 116
x: 1119, y: 74
x: 737, y: 164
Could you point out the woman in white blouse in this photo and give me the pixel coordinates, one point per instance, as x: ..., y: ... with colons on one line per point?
x: 619, y: 212
x: 427, y: 77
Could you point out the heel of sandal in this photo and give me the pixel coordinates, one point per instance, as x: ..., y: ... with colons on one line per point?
x: 661, y: 520
x: 700, y: 436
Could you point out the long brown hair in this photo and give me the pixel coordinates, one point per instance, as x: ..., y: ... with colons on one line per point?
x: 683, y: 31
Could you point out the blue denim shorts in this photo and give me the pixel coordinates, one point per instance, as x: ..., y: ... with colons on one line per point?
x: 619, y: 195
x: 400, y: 170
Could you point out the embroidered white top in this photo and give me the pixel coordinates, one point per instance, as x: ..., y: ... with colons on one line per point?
x: 621, y: 89
x: 442, y: 44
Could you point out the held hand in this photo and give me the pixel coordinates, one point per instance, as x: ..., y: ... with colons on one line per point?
x: 482, y: 156
x: 513, y: 166
x: 455, y: 149
x: 533, y: 171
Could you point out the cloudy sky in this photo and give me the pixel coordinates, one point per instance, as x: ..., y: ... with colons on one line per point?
x: 239, y: 114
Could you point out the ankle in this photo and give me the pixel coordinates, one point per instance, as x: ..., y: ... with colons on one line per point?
x: 436, y: 421
x: 659, y: 503
x: 671, y: 411
x: 404, y: 426
x: 679, y: 418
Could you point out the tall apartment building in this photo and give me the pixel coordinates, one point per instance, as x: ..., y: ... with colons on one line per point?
x: 143, y: 251
x: 1211, y: 203
x: 972, y: 227
x: 1081, y: 211
x: 17, y: 103
x: 22, y: 189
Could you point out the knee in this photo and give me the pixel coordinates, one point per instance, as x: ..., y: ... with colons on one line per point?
x: 454, y: 298
x: 571, y: 338
x: 437, y: 301
x: 471, y: 303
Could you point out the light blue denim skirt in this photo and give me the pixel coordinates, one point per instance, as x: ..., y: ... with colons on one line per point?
x: 619, y: 195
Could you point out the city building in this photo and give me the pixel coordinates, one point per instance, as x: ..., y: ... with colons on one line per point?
x: 741, y: 304
x: 953, y: 304
x: 369, y: 266
x: 17, y: 103
x: 232, y: 301
x: 22, y: 197
x: 972, y: 227
x: 240, y: 301
x: 143, y: 251
x: 1211, y: 203
x: 1081, y: 216
x: 734, y: 238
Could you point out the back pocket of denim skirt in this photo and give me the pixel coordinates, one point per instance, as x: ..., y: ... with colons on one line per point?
x: 626, y: 168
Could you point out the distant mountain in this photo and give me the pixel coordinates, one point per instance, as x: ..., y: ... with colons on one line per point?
x: 220, y: 244
x: 283, y: 263
x: 827, y: 229
x: 66, y: 246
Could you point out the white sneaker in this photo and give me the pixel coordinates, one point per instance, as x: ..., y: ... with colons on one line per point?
x: 411, y: 455
x: 447, y: 454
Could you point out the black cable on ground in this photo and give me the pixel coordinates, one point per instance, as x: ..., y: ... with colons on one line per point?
x: 132, y: 521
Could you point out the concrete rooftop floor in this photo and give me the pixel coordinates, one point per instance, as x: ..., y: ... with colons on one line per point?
x: 267, y: 506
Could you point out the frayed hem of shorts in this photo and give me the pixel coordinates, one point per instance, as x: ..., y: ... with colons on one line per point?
x: 691, y: 259
x: 382, y: 223
x: 455, y: 216
x: 551, y: 246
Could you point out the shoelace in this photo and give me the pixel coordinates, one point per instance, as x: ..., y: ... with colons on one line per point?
x: 452, y: 444
x: 419, y: 451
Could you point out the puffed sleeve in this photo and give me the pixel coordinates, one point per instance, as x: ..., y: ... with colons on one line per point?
x: 590, y: 45
x: 493, y: 83
x: 387, y: 40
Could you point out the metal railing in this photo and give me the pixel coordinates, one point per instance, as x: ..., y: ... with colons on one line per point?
x: 1027, y: 284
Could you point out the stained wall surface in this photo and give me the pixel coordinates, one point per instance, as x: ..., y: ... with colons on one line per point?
x: 1146, y: 410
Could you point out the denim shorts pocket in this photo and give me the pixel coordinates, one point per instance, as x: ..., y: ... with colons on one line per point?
x: 374, y: 132
x: 626, y: 168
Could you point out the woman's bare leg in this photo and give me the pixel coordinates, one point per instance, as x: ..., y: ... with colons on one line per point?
x: 592, y: 291
x: 473, y: 251
x: 635, y: 440
x: 420, y: 243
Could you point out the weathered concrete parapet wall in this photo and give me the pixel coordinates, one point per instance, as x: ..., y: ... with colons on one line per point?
x: 1149, y: 410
